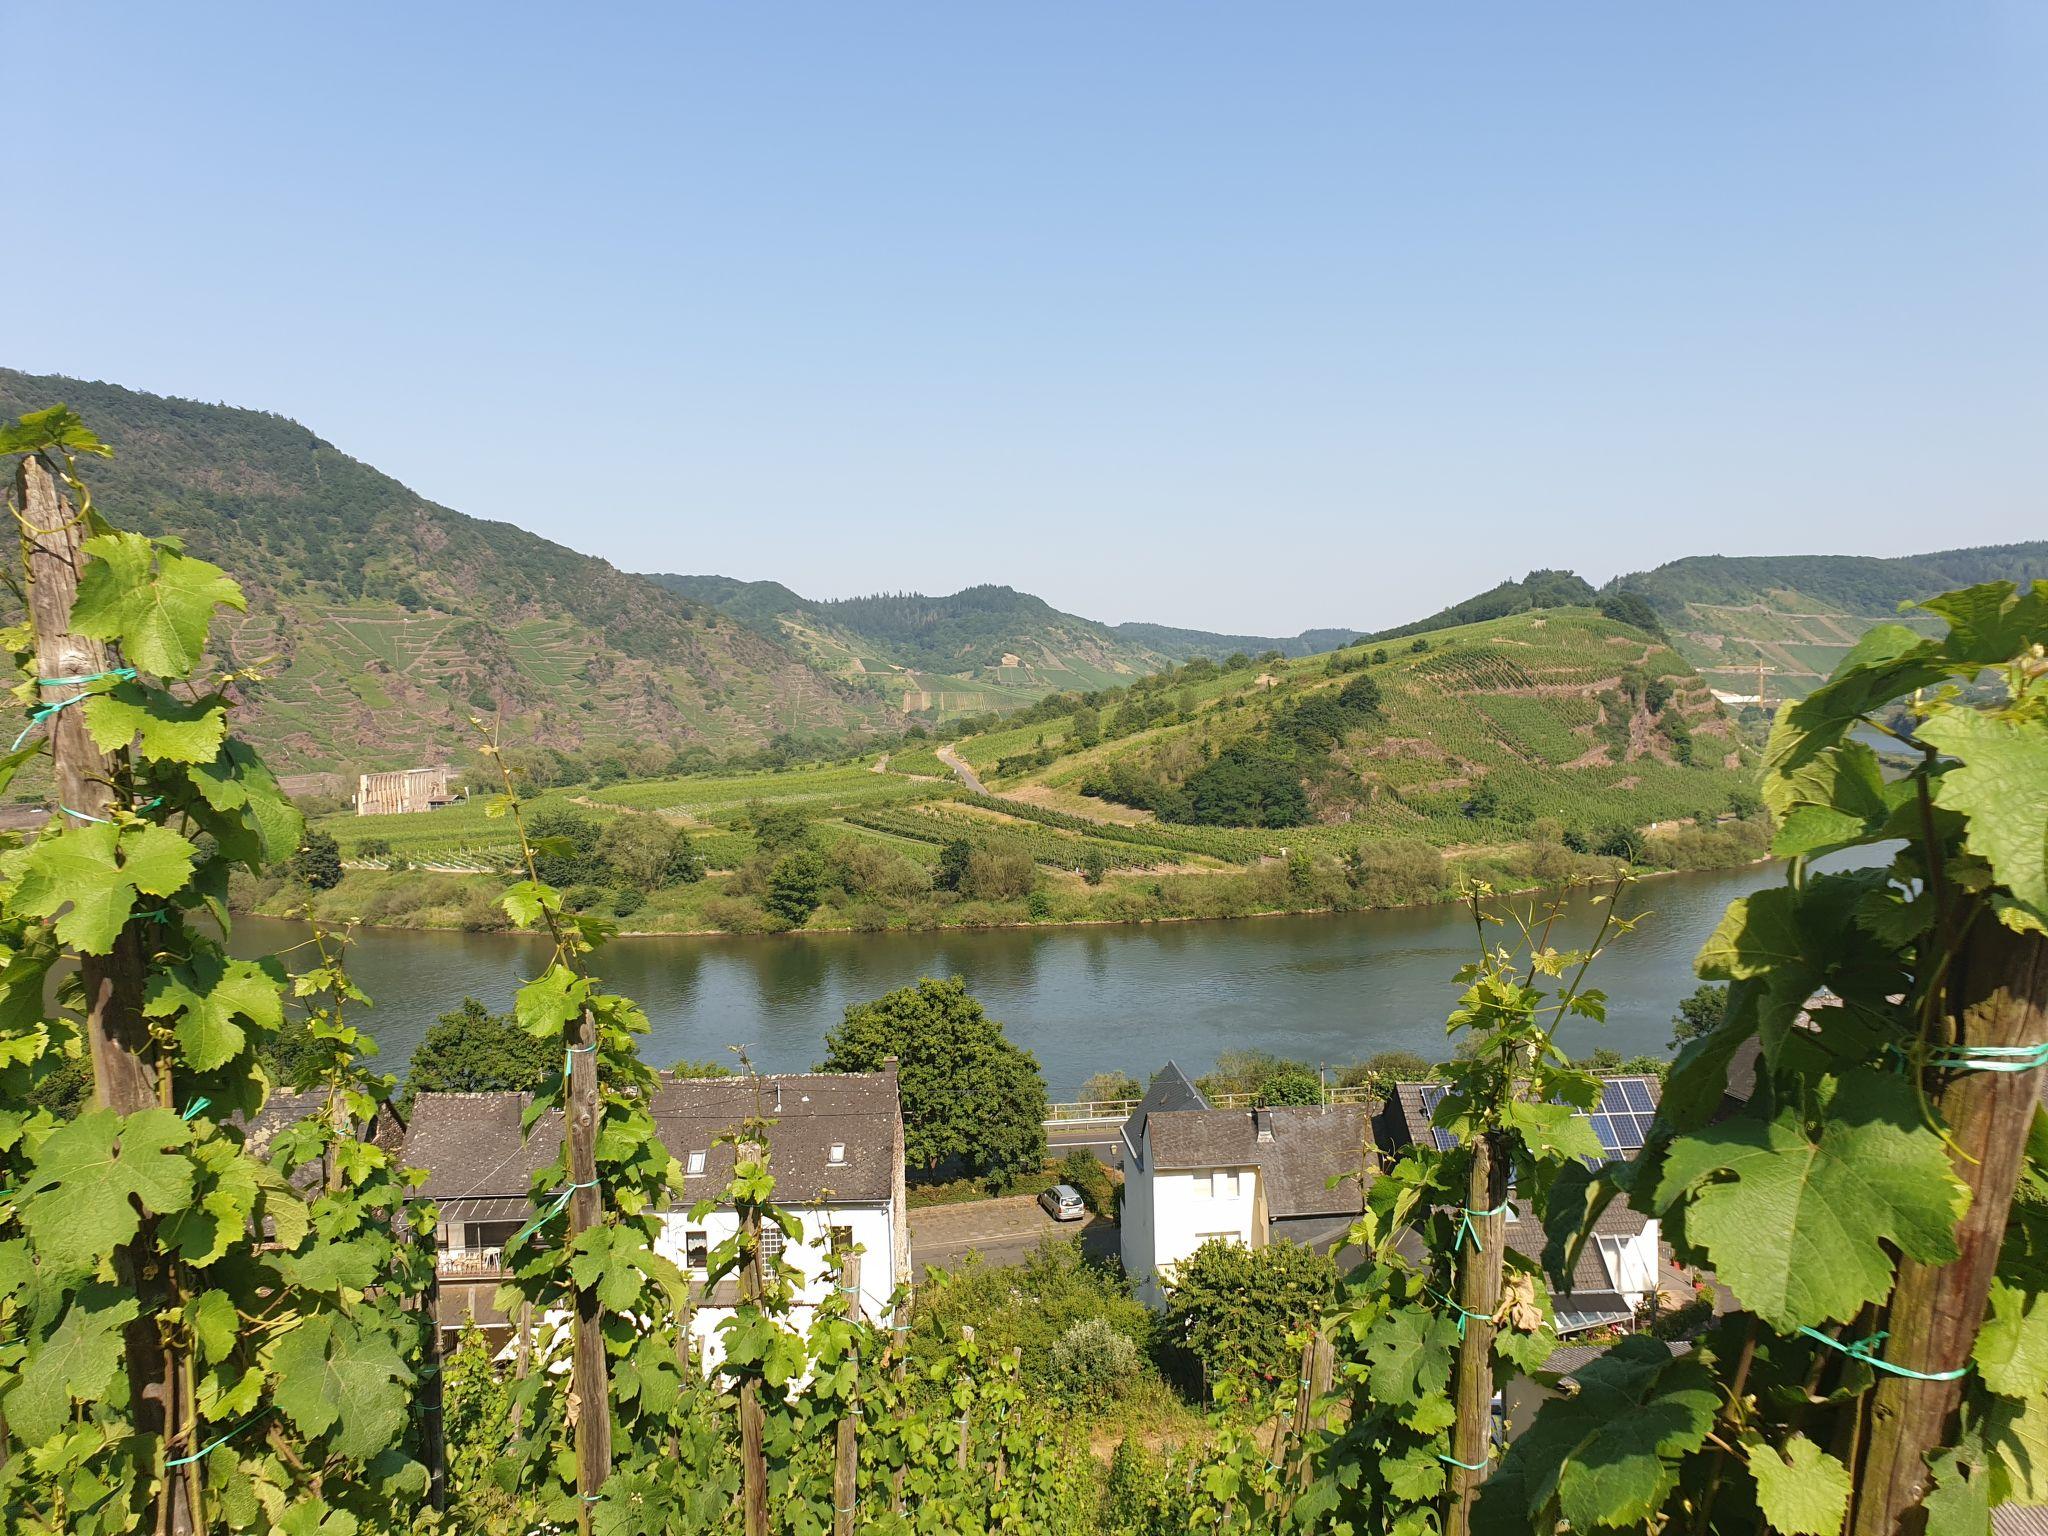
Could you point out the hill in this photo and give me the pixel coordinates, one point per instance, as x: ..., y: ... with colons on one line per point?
x: 1538, y: 589
x: 1797, y: 615
x: 390, y: 619
x: 982, y: 648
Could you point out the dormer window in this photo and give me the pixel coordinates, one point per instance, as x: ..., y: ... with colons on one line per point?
x: 695, y: 1163
x: 838, y: 1155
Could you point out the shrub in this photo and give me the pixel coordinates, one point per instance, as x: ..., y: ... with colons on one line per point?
x: 1082, y: 1169
x: 318, y: 861
x: 1230, y: 1308
x: 581, y: 898
x: 1093, y: 1361
x: 626, y: 902
x: 795, y: 886
x: 1029, y: 1306
x: 735, y: 914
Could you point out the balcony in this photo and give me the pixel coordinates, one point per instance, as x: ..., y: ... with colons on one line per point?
x: 470, y: 1263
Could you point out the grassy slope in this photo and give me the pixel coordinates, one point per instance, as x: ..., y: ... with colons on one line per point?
x: 1516, y: 702
x: 390, y: 619
x: 1799, y: 614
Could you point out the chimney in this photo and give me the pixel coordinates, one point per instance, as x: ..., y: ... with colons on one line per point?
x: 1262, y: 1122
x: 889, y: 1065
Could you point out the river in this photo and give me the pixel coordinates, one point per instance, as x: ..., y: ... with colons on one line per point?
x: 1328, y: 989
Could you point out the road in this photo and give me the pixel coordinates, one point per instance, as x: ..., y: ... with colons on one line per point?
x: 1105, y: 1141
x: 961, y: 771
x: 1003, y: 1231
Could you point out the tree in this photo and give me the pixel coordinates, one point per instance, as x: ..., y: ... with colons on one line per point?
x: 564, y: 840
x: 778, y: 828
x: 795, y: 886
x: 1630, y: 608
x: 1622, y: 842
x: 1699, y: 1013
x: 645, y: 853
x: 1094, y: 864
x: 1230, y: 1309
x: 954, y: 857
x: 1107, y: 1087
x: 688, y: 1069
x: 972, y: 1100
x: 473, y: 1050
x: 318, y: 861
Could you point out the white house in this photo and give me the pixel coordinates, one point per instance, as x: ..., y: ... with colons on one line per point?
x: 835, y: 1147
x: 1193, y: 1174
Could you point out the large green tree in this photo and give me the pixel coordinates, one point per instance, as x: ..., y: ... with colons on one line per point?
x: 973, y: 1101
x: 1231, y: 1308
x: 473, y: 1050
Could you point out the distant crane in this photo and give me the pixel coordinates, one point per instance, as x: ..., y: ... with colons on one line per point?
x: 1761, y: 669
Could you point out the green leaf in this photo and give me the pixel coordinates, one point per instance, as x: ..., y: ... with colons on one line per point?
x: 2012, y: 1347
x: 255, y: 824
x: 2017, y: 1434
x: 332, y: 1375
x: 211, y: 1317
x: 1831, y: 800
x: 1409, y: 1355
x: 56, y: 426
x: 1796, y: 1225
x: 158, y: 604
x: 1414, y: 1475
x: 1554, y: 1131
x: 166, y: 728
x: 207, y: 996
x: 2000, y: 784
x: 80, y: 1203
x: 550, y: 1001
x: 96, y: 869
x: 74, y: 1362
x: 1992, y: 623
x: 1802, y: 1490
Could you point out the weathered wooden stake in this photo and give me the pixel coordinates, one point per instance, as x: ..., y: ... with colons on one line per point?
x: 432, y: 1444
x: 589, y: 1377
x: 2000, y: 988
x: 753, y: 1423
x: 960, y: 1455
x: 1479, y: 1276
x: 1304, y: 1399
x: 845, y: 1463
x: 899, y: 1368
x: 522, y: 1357
x: 124, y: 1075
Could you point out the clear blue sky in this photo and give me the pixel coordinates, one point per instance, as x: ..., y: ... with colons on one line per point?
x: 1241, y: 316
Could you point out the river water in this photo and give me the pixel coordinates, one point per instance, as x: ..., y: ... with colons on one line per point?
x: 1326, y: 989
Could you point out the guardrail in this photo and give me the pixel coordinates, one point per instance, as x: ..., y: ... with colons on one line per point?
x: 472, y: 1263
x: 1116, y: 1111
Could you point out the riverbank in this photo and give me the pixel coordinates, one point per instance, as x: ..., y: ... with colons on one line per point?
x: 1376, y: 877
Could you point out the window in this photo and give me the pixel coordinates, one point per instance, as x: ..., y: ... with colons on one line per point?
x: 771, y: 1241
x: 695, y: 1164
x: 488, y: 1234
x: 696, y: 1251
x: 838, y: 1155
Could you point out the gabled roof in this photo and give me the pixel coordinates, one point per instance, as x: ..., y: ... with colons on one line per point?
x: 471, y: 1146
x: 1170, y: 1089
x: 1308, y: 1145
x: 287, y: 1107
x: 1621, y: 1117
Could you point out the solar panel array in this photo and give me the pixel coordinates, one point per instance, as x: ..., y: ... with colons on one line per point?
x: 1621, y: 1119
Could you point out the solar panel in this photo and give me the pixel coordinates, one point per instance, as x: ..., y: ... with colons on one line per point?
x: 1621, y: 1119
x: 1575, y: 1319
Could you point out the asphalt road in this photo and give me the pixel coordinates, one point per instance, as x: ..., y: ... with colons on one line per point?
x: 1003, y: 1231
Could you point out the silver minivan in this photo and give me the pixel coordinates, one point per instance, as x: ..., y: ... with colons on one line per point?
x: 1063, y: 1202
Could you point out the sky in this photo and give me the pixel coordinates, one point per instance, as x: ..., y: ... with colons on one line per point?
x: 1240, y: 317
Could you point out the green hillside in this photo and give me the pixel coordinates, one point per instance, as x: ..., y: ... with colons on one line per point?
x: 387, y: 620
x: 1521, y: 750
x: 1797, y: 615
x: 1539, y: 589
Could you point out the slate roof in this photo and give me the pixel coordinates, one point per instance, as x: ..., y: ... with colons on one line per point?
x: 286, y: 1107
x: 1568, y: 1359
x: 471, y: 1146
x: 1308, y: 1145
x: 1589, y: 1276
x: 2020, y: 1520
x: 1170, y: 1089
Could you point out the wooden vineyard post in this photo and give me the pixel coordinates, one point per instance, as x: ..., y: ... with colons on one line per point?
x: 124, y: 1077
x: 522, y: 1359
x: 432, y: 1443
x: 845, y: 1463
x: 588, y: 1376
x: 1002, y: 1451
x: 1478, y: 1297
x: 753, y: 1424
x: 2000, y: 992
x: 1304, y: 1400
x: 960, y: 1455
x: 899, y: 1370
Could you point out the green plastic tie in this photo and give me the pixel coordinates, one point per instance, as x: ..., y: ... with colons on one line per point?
x: 1463, y: 1312
x: 194, y: 1107
x: 1466, y: 1229
x: 561, y: 1204
x: 122, y: 674
x: 1466, y: 1465
x: 101, y: 820
x: 208, y: 1450
x: 1866, y: 1351
x: 568, y: 1054
x: 1991, y: 1058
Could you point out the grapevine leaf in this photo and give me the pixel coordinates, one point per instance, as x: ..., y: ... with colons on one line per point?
x: 96, y: 869
x: 1795, y: 1225
x: 56, y: 426
x: 1887, y: 661
x: 2017, y: 1433
x: 1960, y: 1502
x: 336, y: 1266
x: 1802, y: 1490
x: 332, y: 1375
x: 80, y: 1203
x: 2001, y: 784
x: 253, y: 822
x: 72, y: 1363
x: 2012, y: 1347
x: 1414, y: 1475
x: 1554, y: 1131
x: 211, y: 1317
x: 549, y: 1001
x: 1832, y: 800
x: 208, y: 996
x: 1992, y: 623
x: 1409, y: 1355
x: 168, y: 729
x: 157, y: 603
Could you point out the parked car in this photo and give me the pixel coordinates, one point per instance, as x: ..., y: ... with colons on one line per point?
x: 1063, y: 1202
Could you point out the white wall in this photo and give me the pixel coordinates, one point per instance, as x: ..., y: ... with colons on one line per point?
x: 1134, y: 1221
x: 874, y: 1232
x: 1186, y: 1211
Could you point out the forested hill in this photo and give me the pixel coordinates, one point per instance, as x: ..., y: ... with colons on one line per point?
x: 1538, y: 589
x: 392, y: 619
x: 981, y: 648
x: 1797, y: 615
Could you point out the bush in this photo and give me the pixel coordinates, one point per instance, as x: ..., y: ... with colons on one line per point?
x: 795, y: 886
x: 1030, y: 1306
x: 318, y: 861
x: 735, y: 914
x: 1082, y: 1169
x: 998, y: 874
x: 582, y: 898
x: 1230, y: 1309
x: 626, y: 902
x: 1093, y: 1361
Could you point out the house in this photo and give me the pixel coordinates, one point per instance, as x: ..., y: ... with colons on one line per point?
x: 404, y: 791
x: 1617, y: 1271
x: 1193, y: 1174
x: 286, y: 1107
x: 835, y: 1147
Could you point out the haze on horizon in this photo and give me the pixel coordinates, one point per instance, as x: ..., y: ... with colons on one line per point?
x: 1241, y: 320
